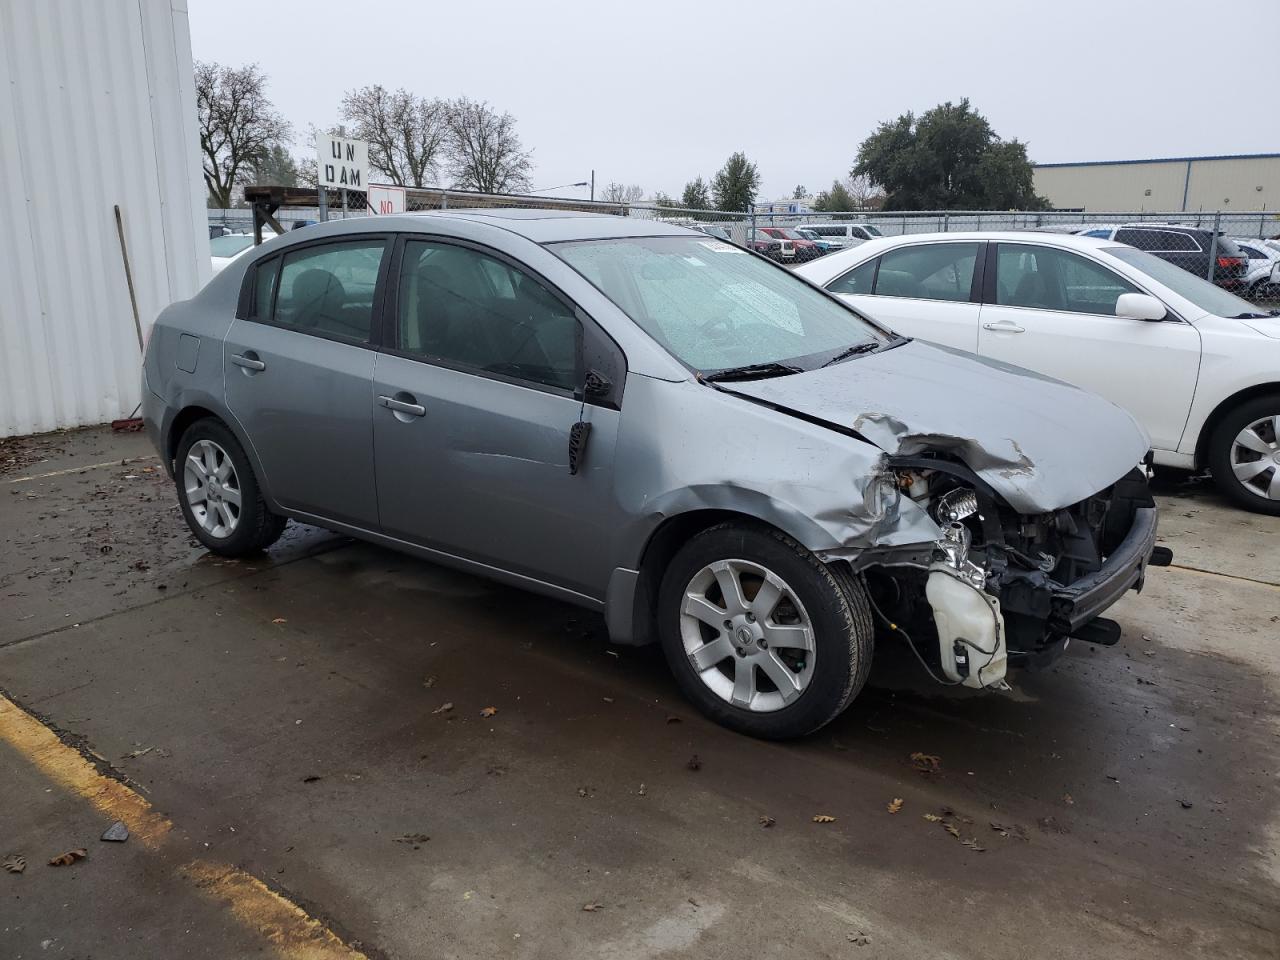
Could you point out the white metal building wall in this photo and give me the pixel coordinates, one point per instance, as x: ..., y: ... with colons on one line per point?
x: 97, y: 108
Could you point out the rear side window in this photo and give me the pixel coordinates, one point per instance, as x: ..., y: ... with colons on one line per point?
x: 857, y: 280
x: 264, y: 287
x: 467, y: 308
x: 1159, y: 241
x: 328, y: 290
x: 928, y: 271
x: 1046, y: 278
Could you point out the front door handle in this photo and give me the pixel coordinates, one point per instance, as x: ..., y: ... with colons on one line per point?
x: 403, y: 406
x: 248, y: 362
x: 1004, y: 326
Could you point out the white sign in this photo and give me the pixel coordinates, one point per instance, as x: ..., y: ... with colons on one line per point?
x: 384, y: 199
x: 341, y: 162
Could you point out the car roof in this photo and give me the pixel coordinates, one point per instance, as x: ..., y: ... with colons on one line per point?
x: 553, y: 226
x: 1008, y: 236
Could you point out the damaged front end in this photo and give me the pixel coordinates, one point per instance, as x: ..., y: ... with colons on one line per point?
x: 1001, y: 588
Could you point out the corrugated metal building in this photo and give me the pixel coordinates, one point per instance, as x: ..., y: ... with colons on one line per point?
x: 1242, y: 182
x: 97, y: 108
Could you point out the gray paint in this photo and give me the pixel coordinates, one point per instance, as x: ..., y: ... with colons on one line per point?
x: 481, y: 481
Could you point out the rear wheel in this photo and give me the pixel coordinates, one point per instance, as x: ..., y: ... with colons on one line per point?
x: 219, y: 494
x: 761, y: 635
x: 1244, y: 454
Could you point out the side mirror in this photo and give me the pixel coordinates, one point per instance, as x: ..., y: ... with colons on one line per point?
x: 1140, y: 306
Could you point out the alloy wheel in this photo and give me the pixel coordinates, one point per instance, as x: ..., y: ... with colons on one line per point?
x: 1255, y: 457
x: 212, y: 488
x: 747, y: 635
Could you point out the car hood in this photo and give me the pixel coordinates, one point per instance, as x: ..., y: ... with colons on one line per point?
x: 1267, y: 326
x: 1040, y: 443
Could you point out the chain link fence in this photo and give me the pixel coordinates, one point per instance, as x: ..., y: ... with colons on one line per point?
x: 1239, y: 251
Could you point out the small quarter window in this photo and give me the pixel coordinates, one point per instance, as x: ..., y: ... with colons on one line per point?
x: 264, y: 287
x: 857, y: 280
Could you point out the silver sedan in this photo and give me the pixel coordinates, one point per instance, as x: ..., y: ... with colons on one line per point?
x: 653, y: 423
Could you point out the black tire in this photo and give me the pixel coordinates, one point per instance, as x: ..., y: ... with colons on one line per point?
x: 1220, y: 443
x: 257, y: 527
x: 838, y: 610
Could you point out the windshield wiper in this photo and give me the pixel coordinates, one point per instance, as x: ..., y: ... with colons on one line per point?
x: 752, y: 371
x: 1253, y: 316
x: 869, y: 347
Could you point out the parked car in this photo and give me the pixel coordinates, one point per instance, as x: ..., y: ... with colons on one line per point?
x: 632, y: 417
x: 824, y: 246
x: 784, y: 251
x: 805, y: 249
x: 1262, y: 274
x: 227, y: 247
x: 848, y: 234
x: 1188, y: 247
x: 1198, y: 366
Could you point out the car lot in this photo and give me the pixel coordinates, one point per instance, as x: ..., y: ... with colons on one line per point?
x: 286, y: 716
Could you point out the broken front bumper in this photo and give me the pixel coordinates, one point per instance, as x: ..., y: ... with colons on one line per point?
x: 1071, y: 607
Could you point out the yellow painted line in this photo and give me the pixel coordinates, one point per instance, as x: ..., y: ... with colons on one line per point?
x: 87, y: 466
x: 291, y: 932
x: 65, y: 767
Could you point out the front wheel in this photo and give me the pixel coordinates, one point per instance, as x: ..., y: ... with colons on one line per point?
x: 760, y: 634
x: 1244, y: 454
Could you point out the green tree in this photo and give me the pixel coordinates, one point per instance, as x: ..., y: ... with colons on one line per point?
x: 696, y: 196
x: 276, y: 167
x: 735, y: 185
x: 835, y: 200
x: 799, y: 193
x: 947, y: 159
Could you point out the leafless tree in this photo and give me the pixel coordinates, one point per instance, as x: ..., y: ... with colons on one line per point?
x: 238, y: 125
x: 407, y: 134
x: 484, y: 152
x: 619, y: 193
x: 865, y: 194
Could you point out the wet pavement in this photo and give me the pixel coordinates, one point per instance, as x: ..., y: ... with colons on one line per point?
x: 313, y: 716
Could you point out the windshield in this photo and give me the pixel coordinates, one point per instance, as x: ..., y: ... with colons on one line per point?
x: 230, y: 245
x: 874, y: 231
x: 783, y: 231
x: 807, y: 234
x: 714, y: 306
x: 1205, y: 295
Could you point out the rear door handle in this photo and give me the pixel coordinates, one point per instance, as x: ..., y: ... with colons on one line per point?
x: 402, y: 406
x: 1004, y: 326
x: 249, y: 363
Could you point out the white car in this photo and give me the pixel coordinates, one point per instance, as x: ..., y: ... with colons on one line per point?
x: 1197, y: 366
x: 1262, y: 277
x: 227, y: 247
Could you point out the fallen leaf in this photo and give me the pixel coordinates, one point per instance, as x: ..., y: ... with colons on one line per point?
x: 591, y: 907
x: 71, y: 856
x: 137, y: 753
x: 767, y: 821
x: 413, y: 838
x: 694, y: 902
x: 952, y: 829
x: 584, y: 791
x: 1186, y: 804
x: 311, y: 779
x: 488, y: 711
x: 443, y: 708
x: 14, y: 863
x: 1000, y: 828
x: 973, y: 845
x: 674, y: 720
x: 823, y: 818
x: 1068, y: 800
x: 859, y: 939
x: 279, y: 620
x: 926, y: 761
x: 694, y: 763
x: 641, y: 792
x: 429, y: 682
x: 894, y: 805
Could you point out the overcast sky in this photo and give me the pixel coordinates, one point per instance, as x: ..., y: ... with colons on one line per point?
x: 656, y: 92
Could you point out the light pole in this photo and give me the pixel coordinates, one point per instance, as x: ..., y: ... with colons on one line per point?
x: 565, y: 186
